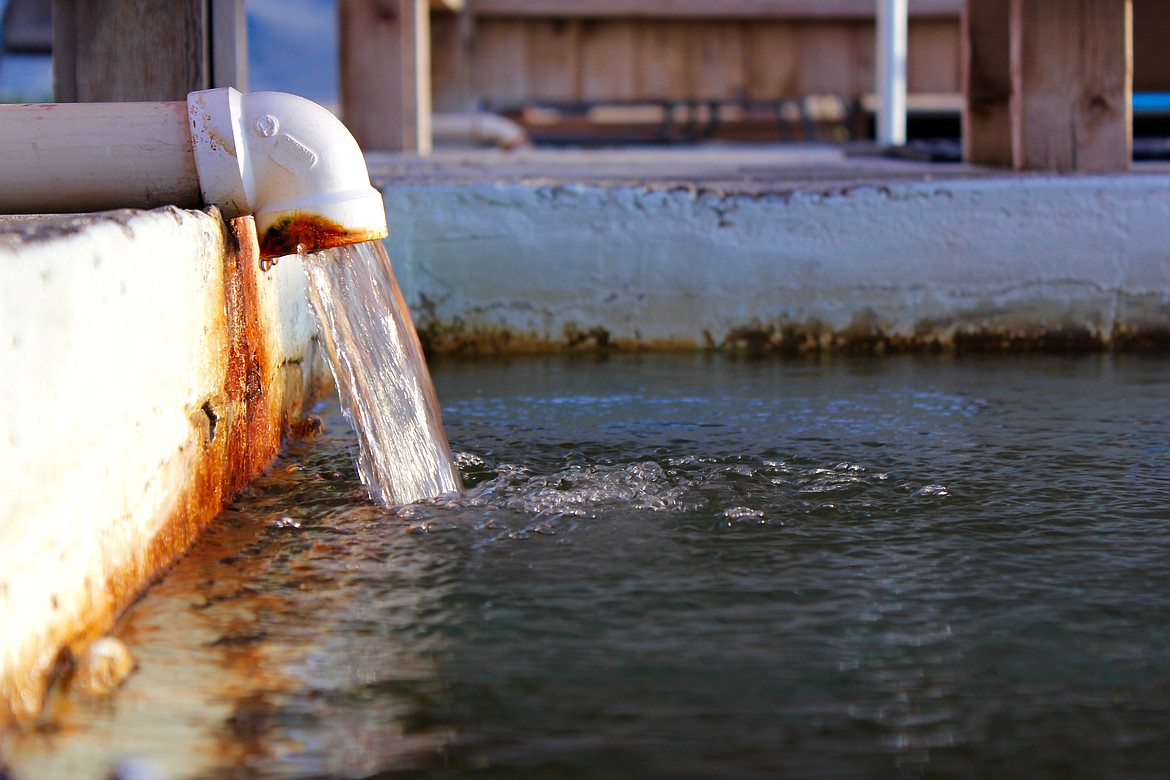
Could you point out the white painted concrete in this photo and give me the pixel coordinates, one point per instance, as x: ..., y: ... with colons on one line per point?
x: 112, y: 337
x: 668, y: 265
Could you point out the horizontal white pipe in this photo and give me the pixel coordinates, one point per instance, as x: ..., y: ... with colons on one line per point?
x: 477, y: 128
x: 63, y: 157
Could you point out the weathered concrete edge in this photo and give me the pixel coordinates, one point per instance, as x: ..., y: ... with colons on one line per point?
x: 989, y: 263
x: 150, y: 370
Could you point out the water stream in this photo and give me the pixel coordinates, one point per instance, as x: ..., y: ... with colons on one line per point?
x: 382, y: 378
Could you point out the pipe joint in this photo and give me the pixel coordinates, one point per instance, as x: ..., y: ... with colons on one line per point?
x: 289, y: 162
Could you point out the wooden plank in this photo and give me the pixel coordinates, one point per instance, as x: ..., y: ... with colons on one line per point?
x: 451, y: 87
x: 717, y: 62
x: 64, y: 20
x: 1072, y: 77
x: 934, y: 62
x: 554, y: 54
x: 386, y: 73
x: 863, y: 49
x: 229, y: 44
x: 771, y: 55
x: 499, y: 60
x: 986, y: 82
x: 127, y: 50
x: 608, y: 70
x: 662, y: 57
x: 696, y: 9
x: 826, y: 61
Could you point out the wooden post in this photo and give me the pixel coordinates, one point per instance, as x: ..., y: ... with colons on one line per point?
x: 229, y: 44
x: 120, y: 50
x: 1072, y: 84
x: 125, y: 50
x: 987, y: 82
x: 386, y: 73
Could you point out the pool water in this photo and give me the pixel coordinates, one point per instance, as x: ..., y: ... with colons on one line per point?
x: 681, y: 566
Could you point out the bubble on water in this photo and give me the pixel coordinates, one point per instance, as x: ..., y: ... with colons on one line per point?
x: 546, y: 528
x: 741, y: 513
x: 432, y: 527
x: 285, y: 521
x: 936, y: 491
x: 577, y: 490
x: 468, y: 460
x: 514, y: 500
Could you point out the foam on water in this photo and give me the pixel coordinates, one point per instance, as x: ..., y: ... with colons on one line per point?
x: 381, y: 375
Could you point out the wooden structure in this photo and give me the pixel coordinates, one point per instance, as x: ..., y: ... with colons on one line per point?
x: 1049, y: 83
x: 1046, y: 83
x: 126, y: 50
x: 386, y: 72
x: 503, y: 53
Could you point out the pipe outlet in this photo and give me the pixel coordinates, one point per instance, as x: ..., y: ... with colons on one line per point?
x: 280, y: 157
x: 287, y: 161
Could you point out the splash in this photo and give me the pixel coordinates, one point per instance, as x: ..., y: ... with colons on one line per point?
x: 386, y: 391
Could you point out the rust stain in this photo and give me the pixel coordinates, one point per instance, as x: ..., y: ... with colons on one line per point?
x: 308, y: 427
x: 310, y: 233
x: 1142, y: 337
x: 864, y: 335
x: 235, y: 435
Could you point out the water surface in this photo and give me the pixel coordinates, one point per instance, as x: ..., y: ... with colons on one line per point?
x: 682, y: 567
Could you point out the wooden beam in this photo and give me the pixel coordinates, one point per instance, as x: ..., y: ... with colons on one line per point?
x: 386, y: 73
x: 1072, y: 84
x: 229, y: 44
x: 126, y: 50
x: 447, y: 5
x: 987, y: 82
x: 704, y: 9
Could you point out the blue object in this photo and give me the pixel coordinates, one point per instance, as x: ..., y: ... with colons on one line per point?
x: 1151, y: 101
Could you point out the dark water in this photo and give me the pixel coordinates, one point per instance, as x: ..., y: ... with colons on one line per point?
x: 683, y: 567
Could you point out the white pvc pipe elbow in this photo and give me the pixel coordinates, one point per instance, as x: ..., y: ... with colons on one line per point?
x: 282, y: 158
x: 289, y: 162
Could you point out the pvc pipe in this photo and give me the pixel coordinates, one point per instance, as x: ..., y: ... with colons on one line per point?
x: 892, y: 46
x: 63, y: 157
x: 282, y: 158
x: 289, y: 162
x: 479, y: 127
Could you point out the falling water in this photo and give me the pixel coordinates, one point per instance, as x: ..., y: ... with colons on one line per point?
x: 382, y: 378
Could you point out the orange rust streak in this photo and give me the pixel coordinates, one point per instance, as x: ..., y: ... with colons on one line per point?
x: 310, y: 233
x: 251, y: 415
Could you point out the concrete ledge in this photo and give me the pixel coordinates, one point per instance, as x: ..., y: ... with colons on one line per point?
x: 150, y: 369
x: 888, y: 258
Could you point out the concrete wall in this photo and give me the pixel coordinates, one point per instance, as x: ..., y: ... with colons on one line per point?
x: 149, y: 370
x: 983, y: 263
